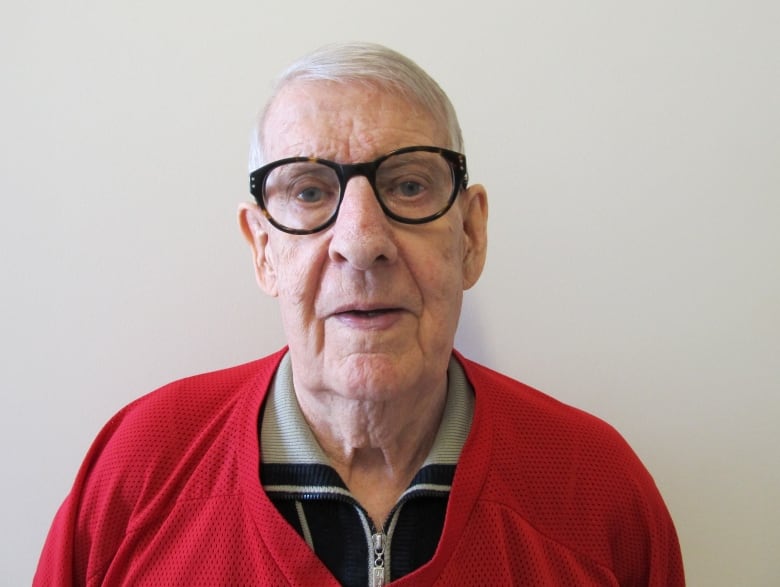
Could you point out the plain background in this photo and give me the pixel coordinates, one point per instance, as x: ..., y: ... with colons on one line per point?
x: 632, y: 156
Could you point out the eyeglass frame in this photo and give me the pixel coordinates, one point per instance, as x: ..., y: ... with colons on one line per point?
x: 346, y: 171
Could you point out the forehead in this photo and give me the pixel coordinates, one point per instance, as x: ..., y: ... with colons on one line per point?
x: 345, y: 122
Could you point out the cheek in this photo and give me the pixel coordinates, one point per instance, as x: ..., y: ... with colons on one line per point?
x: 440, y: 275
x: 297, y: 277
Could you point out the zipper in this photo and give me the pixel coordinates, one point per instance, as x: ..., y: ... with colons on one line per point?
x: 378, y: 569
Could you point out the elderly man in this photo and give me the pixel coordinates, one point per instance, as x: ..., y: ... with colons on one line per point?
x: 367, y: 451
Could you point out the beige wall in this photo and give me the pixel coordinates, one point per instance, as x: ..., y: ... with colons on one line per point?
x: 632, y: 156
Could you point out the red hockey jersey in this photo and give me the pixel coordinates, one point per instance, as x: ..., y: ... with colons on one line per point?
x: 169, y: 494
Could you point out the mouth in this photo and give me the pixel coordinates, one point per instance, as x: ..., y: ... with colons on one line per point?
x: 374, y: 318
x: 373, y: 313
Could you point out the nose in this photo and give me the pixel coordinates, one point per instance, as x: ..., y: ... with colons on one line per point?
x: 362, y: 235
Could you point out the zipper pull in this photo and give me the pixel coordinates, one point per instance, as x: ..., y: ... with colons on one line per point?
x: 378, y: 571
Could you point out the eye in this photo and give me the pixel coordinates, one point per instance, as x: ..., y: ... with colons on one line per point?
x: 310, y: 195
x: 410, y: 188
x: 406, y: 186
x: 309, y: 184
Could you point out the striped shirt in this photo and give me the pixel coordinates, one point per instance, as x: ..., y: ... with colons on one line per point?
x: 311, y: 496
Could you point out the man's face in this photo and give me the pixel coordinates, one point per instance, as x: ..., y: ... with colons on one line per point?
x: 369, y: 305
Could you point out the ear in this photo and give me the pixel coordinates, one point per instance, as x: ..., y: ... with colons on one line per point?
x: 254, y: 227
x: 474, y: 207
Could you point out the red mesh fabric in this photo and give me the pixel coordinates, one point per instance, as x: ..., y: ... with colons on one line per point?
x: 169, y: 494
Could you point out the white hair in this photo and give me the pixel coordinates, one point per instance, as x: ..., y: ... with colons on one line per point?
x: 367, y: 63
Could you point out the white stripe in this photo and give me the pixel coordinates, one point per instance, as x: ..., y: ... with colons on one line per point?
x: 304, y: 524
x: 303, y: 489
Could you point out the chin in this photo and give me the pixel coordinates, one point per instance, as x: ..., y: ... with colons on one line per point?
x: 378, y: 376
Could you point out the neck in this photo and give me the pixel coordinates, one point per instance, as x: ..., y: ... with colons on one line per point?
x: 376, y: 446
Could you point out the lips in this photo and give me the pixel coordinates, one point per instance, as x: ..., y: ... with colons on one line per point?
x: 368, y: 317
x: 368, y: 313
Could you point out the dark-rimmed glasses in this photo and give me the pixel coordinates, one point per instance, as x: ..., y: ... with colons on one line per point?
x: 413, y: 185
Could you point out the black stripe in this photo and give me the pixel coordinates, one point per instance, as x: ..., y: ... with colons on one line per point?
x: 302, y: 475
